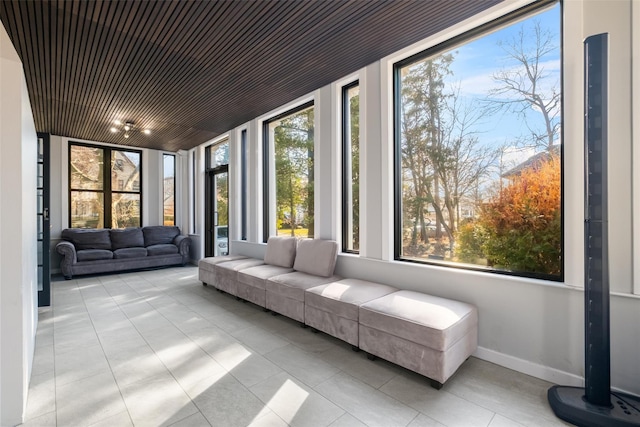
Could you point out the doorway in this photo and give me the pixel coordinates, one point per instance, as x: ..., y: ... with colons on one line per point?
x: 217, y: 212
x: 43, y: 238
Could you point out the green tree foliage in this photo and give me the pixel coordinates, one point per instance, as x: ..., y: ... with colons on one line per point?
x: 293, y: 145
x: 354, y: 115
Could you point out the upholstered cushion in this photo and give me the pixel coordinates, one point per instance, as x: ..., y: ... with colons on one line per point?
x: 159, y: 234
x: 256, y: 276
x: 317, y: 257
x: 208, y: 263
x: 126, y: 238
x: 93, y: 254
x: 424, y: 319
x: 281, y: 251
x: 166, y: 249
x: 130, y: 253
x: 88, y: 238
x: 293, y: 285
x: 344, y: 297
x: 236, y: 265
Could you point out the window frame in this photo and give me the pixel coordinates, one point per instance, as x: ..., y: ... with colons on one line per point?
x: 243, y: 184
x: 164, y: 156
x: 267, y: 152
x: 433, y: 51
x: 107, y: 190
x: 347, y: 189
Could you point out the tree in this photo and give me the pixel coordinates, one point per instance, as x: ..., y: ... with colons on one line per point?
x: 443, y: 160
x: 522, y: 88
x: 293, y: 145
x: 520, y: 229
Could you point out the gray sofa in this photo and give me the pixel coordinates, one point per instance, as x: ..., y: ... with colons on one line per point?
x: 88, y: 251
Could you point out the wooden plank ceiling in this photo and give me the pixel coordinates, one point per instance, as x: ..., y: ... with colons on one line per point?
x: 191, y: 70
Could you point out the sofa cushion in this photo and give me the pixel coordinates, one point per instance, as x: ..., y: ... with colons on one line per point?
x: 256, y: 276
x: 93, y: 254
x: 130, y: 253
x: 293, y: 285
x: 281, y: 251
x: 343, y: 298
x: 159, y: 234
x: 317, y: 257
x: 127, y: 238
x: 88, y: 238
x: 166, y: 249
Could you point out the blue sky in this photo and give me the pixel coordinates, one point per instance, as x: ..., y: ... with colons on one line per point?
x: 474, y: 64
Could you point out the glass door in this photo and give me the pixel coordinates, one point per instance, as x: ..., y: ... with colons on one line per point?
x: 42, y: 191
x: 217, y: 212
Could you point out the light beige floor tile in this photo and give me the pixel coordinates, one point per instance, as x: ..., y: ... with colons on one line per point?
x: 82, y: 363
x: 366, y: 403
x: 43, y: 359
x: 358, y: 366
x: 157, y: 401
x: 226, y: 402
x: 42, y: 395
x: 259, y: 340
x: 88, y: 401
x: 211, y: 339
x: 307, y: 367
x: 306, y: 340
x: 295, y: 402
x: 233, y: 322
x: 46, y: 420
x: 248, y: 367
x: 136, y: 364
x: 512, y: 394
x: 150, y: 321
x: 268, y: 419
x: 501, y: 421
x: 440, y: 405
x: 423, y: 421
x: 195, y: 420
x: 121, y: 419
x: 348, y: 420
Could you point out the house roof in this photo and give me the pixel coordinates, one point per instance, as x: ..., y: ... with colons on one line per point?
x: 191, y: 70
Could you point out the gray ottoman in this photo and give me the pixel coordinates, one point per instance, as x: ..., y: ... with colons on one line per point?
x: 226, y: 273
x: 252, y: 282
x: 206, y: 274
x: 429, y: 335
x: 333, y: 308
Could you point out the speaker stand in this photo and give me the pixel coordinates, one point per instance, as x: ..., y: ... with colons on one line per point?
x: 569, y: 404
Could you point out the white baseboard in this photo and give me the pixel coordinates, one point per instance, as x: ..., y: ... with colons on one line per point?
x: 546, y: 373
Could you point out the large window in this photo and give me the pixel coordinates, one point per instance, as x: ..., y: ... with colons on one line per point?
x: 478, y: 149
x: 243, y: 185
x: 351, y: 168
x: 104, y: 187
x: 169, y: 189
x: 289, y: 139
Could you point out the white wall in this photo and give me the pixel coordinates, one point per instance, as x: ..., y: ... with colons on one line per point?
x: 533, y: 326
x: 18, y: 235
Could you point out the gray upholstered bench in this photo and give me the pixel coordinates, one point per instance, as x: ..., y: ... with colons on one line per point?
x: 333, y: 307
x: 314, y: 265
x: 206, y: 273
x: 226, y: 273
x: 429, y: 335
x: 278, y: 259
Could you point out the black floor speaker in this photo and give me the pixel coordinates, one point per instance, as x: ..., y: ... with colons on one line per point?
x: 595, y: 404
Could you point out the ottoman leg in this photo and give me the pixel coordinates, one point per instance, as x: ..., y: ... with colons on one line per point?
x: 371, y: 356
x: 355, y: 348
x: 435, y: 384
x: 205, y: 284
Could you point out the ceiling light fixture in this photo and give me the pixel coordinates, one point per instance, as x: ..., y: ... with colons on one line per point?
x: 127, y: 127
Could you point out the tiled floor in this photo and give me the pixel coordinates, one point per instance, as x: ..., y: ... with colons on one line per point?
x: 158, y: 348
